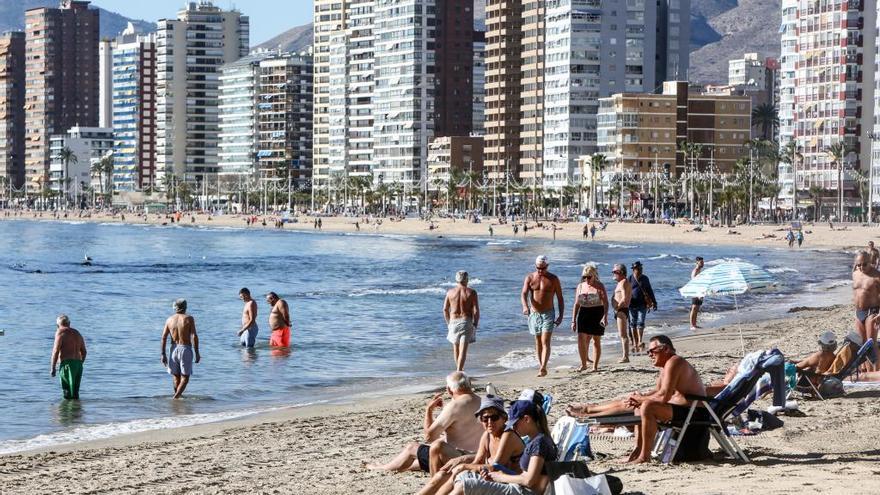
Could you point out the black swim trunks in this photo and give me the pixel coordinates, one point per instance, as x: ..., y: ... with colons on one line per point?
x: 679, y: 413
x: 863, y: 314
x: 422, y: 456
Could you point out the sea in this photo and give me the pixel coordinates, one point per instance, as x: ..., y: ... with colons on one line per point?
x: 366, y: 311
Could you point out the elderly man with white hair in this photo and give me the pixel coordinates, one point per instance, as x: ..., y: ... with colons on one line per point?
x: 455, y: 432
x: 70, y: 351
x: 461, y: 310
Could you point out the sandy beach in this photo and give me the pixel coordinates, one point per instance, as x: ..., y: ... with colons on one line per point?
x: 817, y: 236
x: 320, y: 449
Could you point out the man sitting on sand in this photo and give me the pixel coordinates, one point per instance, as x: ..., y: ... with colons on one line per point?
x: 70, y: 350
x: 184, y: 342
x: 666, y: 402
x: 454, y: 432
x: 461, y: 310
x: 539, y: 288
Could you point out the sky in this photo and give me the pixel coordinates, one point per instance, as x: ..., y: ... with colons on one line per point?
x: 268, y: 17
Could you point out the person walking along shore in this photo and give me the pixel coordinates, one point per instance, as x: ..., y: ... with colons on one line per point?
x: 590, y: 315
x: 620, y: 305
x: 181, y: 327
x: 538, y: 290
x: 696, y: 302
x: 70, y: 350
x: 461, y: 310
x: 643, y: 300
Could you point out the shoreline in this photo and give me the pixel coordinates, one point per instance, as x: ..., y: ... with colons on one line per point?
x: 318, y: 448
x: 818, y: 236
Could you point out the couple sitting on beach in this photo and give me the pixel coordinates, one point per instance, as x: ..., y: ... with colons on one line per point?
x: 483, y: 451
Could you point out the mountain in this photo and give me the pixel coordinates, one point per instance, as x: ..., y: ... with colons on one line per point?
x: 12, y: 17
x: 720, y: 30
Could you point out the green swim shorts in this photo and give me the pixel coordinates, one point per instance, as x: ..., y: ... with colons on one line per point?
x: 70, y: 372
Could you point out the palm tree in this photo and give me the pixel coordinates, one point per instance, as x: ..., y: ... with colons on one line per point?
x: 838, y: 152
x: 767, y: 117
x: 791, y: 155
x: 816, y: 194
x: 597, y: 166
x: 67, y: 156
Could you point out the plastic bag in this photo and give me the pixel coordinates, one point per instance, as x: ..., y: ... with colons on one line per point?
x: 595, y: 485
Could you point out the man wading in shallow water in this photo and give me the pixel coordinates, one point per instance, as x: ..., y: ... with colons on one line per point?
x: 184, y: 342
x: 279, y: 321
x: 538, y: 290
x: 461, y: 310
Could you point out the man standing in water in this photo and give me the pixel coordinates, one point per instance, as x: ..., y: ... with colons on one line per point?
x: 248, y: 332
x: 696, y: 302
x: 184, y: 342
x: 279, y: 321
x: 866, y: 297
x: 70, y: 350
x: 537, y: 294
x: 461, y: 310
x: 620, y: 306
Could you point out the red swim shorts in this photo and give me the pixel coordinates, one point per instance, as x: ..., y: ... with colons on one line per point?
x: 280, y: 337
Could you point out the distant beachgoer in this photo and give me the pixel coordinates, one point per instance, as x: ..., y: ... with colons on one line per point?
x: 70, y: 350
x: 620, y: 305
x: 696, y: 302
x: 320, y: 224
x: 491, y: 231
x: 592, y: 231
x: 866, y: 297
x: 87, y: 261
x: 461, y: 310
x: 525, y: 228
x: 790, y: 238
x: 586, y: 231
x: 453, y: 433
x: 643, y: 300
x: 800, y: 237
x: 248, y: 332
x: 874, y: 254
x: 590, y: 315
x: 515, y: 229
x: 538, y: 290
x: 184, y: 344
x: 279, y: 321
x: 357, y: 226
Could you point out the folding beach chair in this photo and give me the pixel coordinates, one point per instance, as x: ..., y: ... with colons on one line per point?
x: 805, y: 379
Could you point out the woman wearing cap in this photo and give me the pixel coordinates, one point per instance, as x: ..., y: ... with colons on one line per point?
x: 526, y: 420
x: 500, y: 449
x: 590, y: 315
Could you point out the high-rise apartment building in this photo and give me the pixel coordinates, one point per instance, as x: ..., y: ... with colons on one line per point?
x: 134, y: 111
x: 88, y: 145
x: 105, y: 83
x: 189, y: 53
x: 61, y: 80
x: 834, y: 90
x: 380, y: 69
x: 549, y: 61
x: 11, y: 111
x: 478, y: 114
x: 785, y: 104
x: 266, y: 117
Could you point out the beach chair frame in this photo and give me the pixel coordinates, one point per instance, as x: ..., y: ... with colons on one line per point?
x: 863, y: 354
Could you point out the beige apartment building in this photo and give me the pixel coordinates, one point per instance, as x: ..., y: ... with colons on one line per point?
x: 453, y: 153
x: 638, y: 132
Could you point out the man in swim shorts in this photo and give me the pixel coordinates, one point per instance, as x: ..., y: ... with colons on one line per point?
x: 248, y: 332
x: 70, y: 350
x: 279, y: 321
x: 461, y: 310
x: 538, y: 290
x: 184, y: 346
x: 866, y: 297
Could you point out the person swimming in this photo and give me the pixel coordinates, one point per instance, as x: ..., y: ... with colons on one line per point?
x: 87, y: 261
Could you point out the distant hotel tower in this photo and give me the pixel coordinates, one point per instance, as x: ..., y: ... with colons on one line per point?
x: 61, y: 86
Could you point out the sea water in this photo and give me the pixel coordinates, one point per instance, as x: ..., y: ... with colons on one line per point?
x: 366, y: 311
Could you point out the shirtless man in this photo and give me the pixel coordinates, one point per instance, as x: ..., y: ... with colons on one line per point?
x: 70, y: 350
x: 874, y: 254
x: 461, y: 310
x: 866, y: 297
x: 696, y: 302
x: 184, y: 342
x: 819, y: 362
x: 453, y: 433
x: 538, y: 290
x: 279, y: 321
x: 248, y: 332
x: 620, y: 307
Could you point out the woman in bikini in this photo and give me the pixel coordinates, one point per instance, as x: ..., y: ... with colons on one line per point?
x: 500, y: 450
x: 620, y: 306
x: 590, y: 315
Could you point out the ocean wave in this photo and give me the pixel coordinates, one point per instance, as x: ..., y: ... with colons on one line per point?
x: 504, y: 242
x: 782, y: 269
x: 658, y: 257
x: 620, y: 246
x: 110, y: 430
x: 397, y: 292
x: 718, y: 261
x: 471, y: 281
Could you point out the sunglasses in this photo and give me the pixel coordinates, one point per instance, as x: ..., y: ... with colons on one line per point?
x: 654, y: 351
x: 490, y: 418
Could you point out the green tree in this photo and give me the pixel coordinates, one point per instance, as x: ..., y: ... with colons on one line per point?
x: 67, y: 156
x: 838, y: 152
x: 766, y: 117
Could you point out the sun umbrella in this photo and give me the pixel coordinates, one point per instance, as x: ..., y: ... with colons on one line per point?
x: 730, y: 278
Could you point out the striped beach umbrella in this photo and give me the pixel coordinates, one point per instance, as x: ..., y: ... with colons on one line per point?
x: 730, y: 278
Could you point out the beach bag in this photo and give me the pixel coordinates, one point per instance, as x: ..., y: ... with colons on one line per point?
x: 831, y: 387
x: 594, y: 485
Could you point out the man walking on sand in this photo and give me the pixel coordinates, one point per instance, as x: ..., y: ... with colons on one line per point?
x: 70, y: 350
x: 866, y: 297
x: 461, y: 310
x: 696, y: 302
x: 248, y: 332
x: 874, y: 254
x: 538, y: 290
x: 279, y: 321
x: 184, y: 345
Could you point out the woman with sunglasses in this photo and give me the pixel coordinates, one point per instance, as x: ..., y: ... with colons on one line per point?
x: 500, y: 448
x: 526, y: 419
x: 590, y: 315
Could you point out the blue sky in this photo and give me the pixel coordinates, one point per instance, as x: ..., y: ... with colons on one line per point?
x: 268, y: 17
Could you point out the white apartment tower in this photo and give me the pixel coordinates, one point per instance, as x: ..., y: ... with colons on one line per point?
x: 786, y: 105
x: 190, y: 51
x: 834, y: 90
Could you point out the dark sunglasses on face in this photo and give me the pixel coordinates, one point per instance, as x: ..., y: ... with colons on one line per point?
x: 655, y: 350
x: 490, y: 417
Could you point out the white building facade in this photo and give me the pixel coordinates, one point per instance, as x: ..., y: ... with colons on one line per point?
x: 89, y: 145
